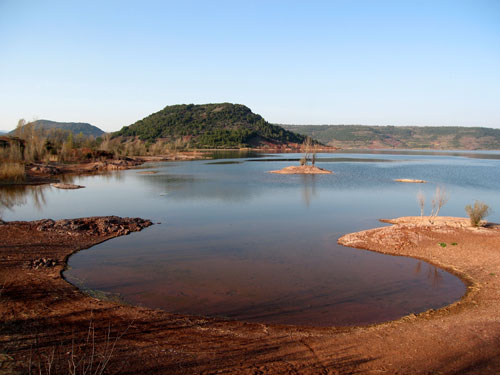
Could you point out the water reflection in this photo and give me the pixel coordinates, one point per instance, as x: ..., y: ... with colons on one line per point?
x: 189, y: 187
x: 433, y: 273
x: 308, y: 188
x: 11, y: 196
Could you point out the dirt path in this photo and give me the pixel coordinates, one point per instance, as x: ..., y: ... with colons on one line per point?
x: 43, y: 317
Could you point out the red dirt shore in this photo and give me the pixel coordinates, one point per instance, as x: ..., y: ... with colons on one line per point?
x: 44, y: 317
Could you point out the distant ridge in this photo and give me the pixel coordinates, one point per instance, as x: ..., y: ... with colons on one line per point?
x: 216, y: 125
x: 75, y: 127
x: 408, y: 137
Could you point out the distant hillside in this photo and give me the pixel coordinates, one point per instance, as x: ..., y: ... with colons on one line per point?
x: 410, y: 137
x: 75, y: 127
x: 2, y: 132
x: 221, y: 125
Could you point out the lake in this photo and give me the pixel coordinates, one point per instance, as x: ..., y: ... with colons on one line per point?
x: 233, y: 241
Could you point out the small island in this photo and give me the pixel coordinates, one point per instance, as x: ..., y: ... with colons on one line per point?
x: 410, y: 180
x: 302, y: 169
x: 66, y: 186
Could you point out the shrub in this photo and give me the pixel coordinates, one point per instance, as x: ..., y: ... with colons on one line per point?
x: 477, y: 212
x: 12, y: 171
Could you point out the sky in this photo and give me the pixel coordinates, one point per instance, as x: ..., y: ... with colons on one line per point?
x: 111, y: 63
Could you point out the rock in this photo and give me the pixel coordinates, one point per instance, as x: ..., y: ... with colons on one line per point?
x: 43, y: 263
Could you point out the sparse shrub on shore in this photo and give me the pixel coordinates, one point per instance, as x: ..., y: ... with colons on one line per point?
x: 477, y: 212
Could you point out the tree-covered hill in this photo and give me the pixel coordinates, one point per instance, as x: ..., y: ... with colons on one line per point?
x: 409, y: 137
x: 75, y: 127
x: 219, y: 125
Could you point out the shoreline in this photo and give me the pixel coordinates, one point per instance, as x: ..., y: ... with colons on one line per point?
x: 38, y: 305
x: 47, y: 173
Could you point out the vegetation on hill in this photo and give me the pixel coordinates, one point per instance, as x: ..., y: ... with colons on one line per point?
x: 222, y: 125
x: 83, y: 128
x: 409, y: 137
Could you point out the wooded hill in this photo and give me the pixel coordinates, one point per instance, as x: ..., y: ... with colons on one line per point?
x: 74, y: 127
x: 409, y: 137
x: 220, y: 125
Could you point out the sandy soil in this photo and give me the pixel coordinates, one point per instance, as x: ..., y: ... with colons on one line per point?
x: 302, y: 169
x: 41, y: 314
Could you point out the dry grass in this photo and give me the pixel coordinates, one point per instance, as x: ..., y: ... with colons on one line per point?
x: 12, y: 171
x: 88, y: 357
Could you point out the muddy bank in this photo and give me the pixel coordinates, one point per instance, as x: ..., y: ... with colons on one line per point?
x: 41, y: 314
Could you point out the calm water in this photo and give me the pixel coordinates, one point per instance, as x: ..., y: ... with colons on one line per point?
x: 234, y: 241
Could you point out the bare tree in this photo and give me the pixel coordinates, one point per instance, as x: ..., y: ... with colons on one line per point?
x: 307, y: 150
x: 439, y: 200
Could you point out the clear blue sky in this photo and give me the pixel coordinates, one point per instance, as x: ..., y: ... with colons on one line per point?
x: 111, y: 63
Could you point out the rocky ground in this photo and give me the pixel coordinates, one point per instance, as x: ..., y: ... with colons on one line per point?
x: 47, y: 323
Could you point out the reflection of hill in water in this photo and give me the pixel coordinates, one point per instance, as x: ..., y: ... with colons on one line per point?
x: 189, y: 187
